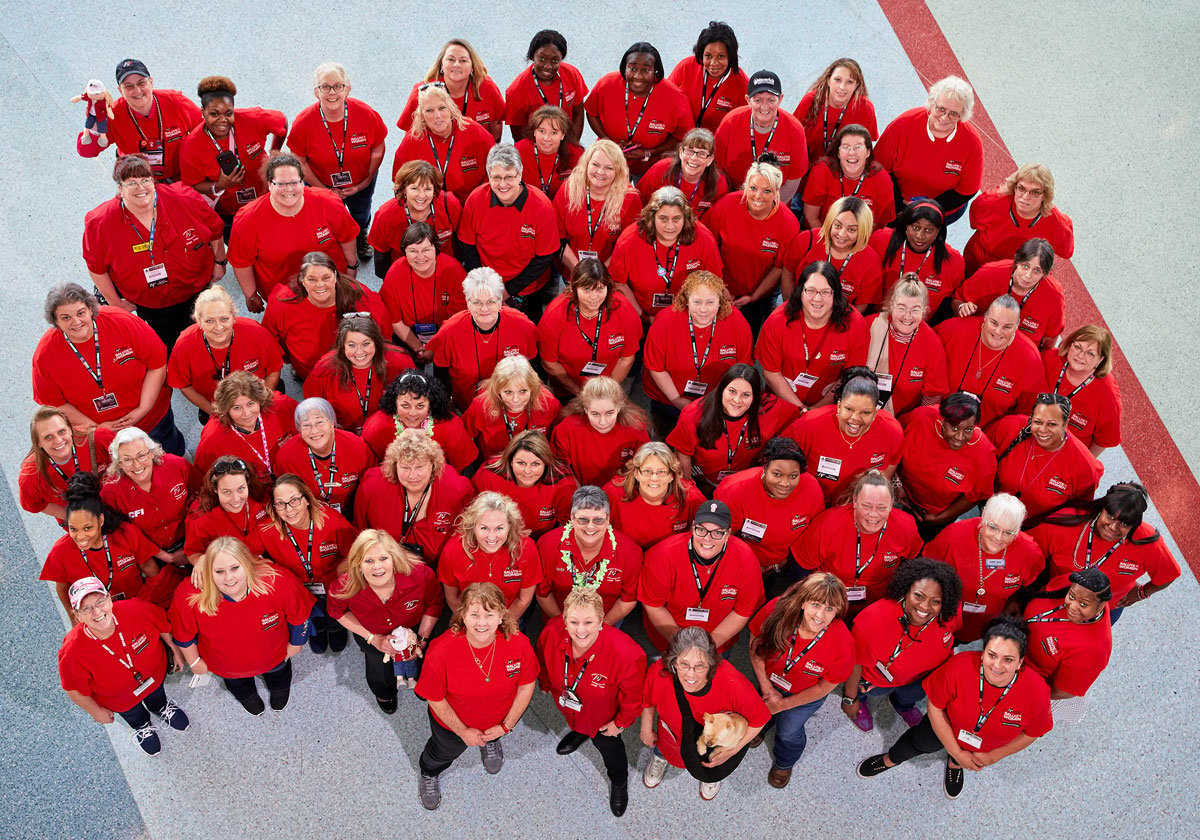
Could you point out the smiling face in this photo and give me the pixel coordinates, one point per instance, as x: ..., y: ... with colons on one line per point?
x: 843, y: 234
x: 704, y: 304
x: 331, y: 91
x: 95, y: 611
x: 668, y: 224
x: 780, y: 478
x: 906, y: 315
x: 600, y: 173
x: 484, y: 309
x: 546, y: 60
x: 527, y: 468
x: 232, y: 492
x: 1047, y: 427
x: 639, y: 73
x: 816, y: 298
x: 602, y: 415
x: 1109, y: 528
x: 693, y: 160
x: 760, y: 196
x: 1001, y: 659
x: 85, y: 529
x: 218, y: 116
x: 437, y: 115
x: 855, y: 413
x: 715, y: 60
x: 480, y: 624
x: 378, y: 567
x: 412, y: 410
x: 515, y: 396
x: 583, y: 627
x: 422, y: 257
x: 414, y: 476
x: 136, y: 462
x: 230, y: 576
x: 287, y: 189
x: 653, y: 479
x: 216, y: 323
x: 1084, y: 357
x: 548, y: 136
x: 999, y: 328
x: 317, y: 431
x: 764, y: 108
x: 693, y: 670
x: 852, y: 155
x: 944, y: 115
x: 817, y: 617
x: 958, y: 435
x: 708, y: 540
x: 418, y: 195
x: 137, y: 194
x: 923, y: 602
x: 590, y: 299
x: 1082, y: 604
x: 505, y: 182
x: 55, y: 438
x: 456, y: 65
x: 320, y: 284
x: 75, y: 320
x: 736, y: 398
x: 491, y: 530
x: 244, y: 413
x: 590, y: 526
x: 995, y: 537
x: 842, y: 85
x: 138, y: 92
x: 359, y: 349
x: 872, y: 507
x: 291, y: 506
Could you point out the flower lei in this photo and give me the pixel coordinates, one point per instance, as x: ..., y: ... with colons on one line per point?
x: 427, y: 427
x: 580, y: 578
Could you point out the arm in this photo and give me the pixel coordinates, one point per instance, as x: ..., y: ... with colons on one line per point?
x: 955, y: 509
x: 471, y: 737
x: 663, y: 380
x: 850, y: 692
x: 351, y: 623
x: 150, y: 568
x: 453, y: 598
x: 622, y: 367
x: 722, y: 754
x: 787, y: 282
x: 467, y: 254
x: 951, y: 200
x: 195, y: 398
x: 151, y: 386
x: 524, y: 599
x: 812, y: 215
x: 510, y: 719
x: 381, y: 263
x: 598, y: 127
x: 649, y: 738
x: 57, y: 511
x: 349, y: 250
x: 627, y: 290
x: 1139, y: 593
x: 79, y: 421
x: 224, y: 181
x: 549, y: 605
x: 534, y: 269
x: 789, y: 191
x: 576, y: 124
x: 1014, y: 746
x: 781, y: 387
x: 105, y: 284
x: 618, y: 612
x: 310, y: 177
x: 764, y: 288
x: 685, y: 468
x: 61, y: 590
x: 729, y: 627
x: 176, y: 653
x: 945, y: 733
x: 248, y: 283
x: 89, y: 705
x: 660, y: 618
x: 559, y: 374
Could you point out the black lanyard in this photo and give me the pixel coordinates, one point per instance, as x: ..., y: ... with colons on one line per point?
x: 790, y: 662
x: 512, y: 427
x: 412, y: 288
x: 904, y: 253
x: 741, y: 439
x: 591, y: 229
x: 567, y: 672
x: 220, y: 371
x: 107, y: 558
x: 983, y: 716
x: 432, y: 220
x: 410, y: 516
x: 703, y: 590
x: 538, y: 87
x: 1028, y: 294
x: 907, y: 346
x: 157, y: 110
x: 127, y: 659
x: 980, y: 374
x: 312, y: 461
x: 804, y: 341
x: 153, y: 224
x: 74, y: 460
x: 305, y: 559
x: 232, y: 144
x: 1013, y: 216
x: 595, y: 343
x: 754, y: 153
x: 695, y: 187
x: 364, y: 400
x: 712, y: 339
x: 705, y: 97
x: 641, y: 113
x: 1078, y: 387
x: 860, y: 567
x: 97, y: 374
x: 900, y: 646
x: 1087, y: 557
x: 537, y: 160
x: 826, y: 134
x: 1045, y: 617
x: 442, y: 167
x: 667, y: 273
x: 341, y: 153
x: 857, y: 187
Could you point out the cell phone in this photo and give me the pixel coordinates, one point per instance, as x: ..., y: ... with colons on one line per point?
x: 228, y: 161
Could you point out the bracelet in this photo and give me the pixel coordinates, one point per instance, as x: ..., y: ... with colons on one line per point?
x: 370, y: 638
x: 352, y: 267
x: 505, y: 728
x: 1141, y: 591
x: 221, y: 263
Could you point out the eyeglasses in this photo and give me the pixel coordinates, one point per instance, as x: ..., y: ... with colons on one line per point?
x: 691, y: 669
x: 1036, y: 192
x: 861, y: 147
x: 287, y: 184
x: 427, y: 85
x: 996, y: 529
x: 104, y: 603
x: 1083, y: 350
x: 808, y: 291
x: 226, y: 466
x: 130, y: 460
x: 653, y: 473
x: 584, y: 521
x: 711, y: 533
x: 335, y: 88
x: 346, y: 315
x: 703, y: 154
x: 314, y: 425
x: 483, y: 304
x: 138, y: 183
x: 946, y: 112
x: 292, y: 503
x: 504, y: 179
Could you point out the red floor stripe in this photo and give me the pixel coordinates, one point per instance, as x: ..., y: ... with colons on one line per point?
x: 1147, y: 443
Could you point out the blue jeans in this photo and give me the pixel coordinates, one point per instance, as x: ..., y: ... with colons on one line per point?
x: 1113, y: 615
x: 790, y: 738
x: 139, y: 716
x: 902, y: 697
x: 359, y: 204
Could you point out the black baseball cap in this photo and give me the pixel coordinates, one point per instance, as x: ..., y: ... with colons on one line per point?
x: 131, y: 67
x: 764, y: 80
x: 713, y: 513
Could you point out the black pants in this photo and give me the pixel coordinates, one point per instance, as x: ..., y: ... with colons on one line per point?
x: 616, y: 762
x: 139, y: 715
x: 442, y: 748
x: 169, y: 321
x: 381, y: 676
x: 359, y: 205
x: 277, y: 679
x: 920, y: 740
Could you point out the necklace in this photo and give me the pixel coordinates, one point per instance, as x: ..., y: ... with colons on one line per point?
x: 983, y: 578
x: 489, y: 657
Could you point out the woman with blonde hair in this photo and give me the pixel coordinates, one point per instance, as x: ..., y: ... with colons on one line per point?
x: 245, y: 620
x: 595, y: 204
x: 512, y: 401
x: 460, y: 71
x: 491, y: 548
x: 528, y: 472
x: 651, y: 498
x: 56, y: 453
x: 390, y: 601
x: 1007, y: 217
x: 600, y: 430
x: 841, y: 240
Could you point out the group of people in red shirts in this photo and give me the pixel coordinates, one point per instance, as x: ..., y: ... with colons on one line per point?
x: 830, y: 390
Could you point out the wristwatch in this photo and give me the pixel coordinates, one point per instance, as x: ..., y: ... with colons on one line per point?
x: 849, y: 701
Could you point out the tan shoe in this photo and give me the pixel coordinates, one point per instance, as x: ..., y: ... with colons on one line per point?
x: 778, y: 778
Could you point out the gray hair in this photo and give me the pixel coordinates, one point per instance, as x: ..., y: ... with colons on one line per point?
x: 589, y: 497
x: 330, y: 68
x: 132, y: 434
x: 318, y: 404
x: 505, y: 155
x: 689, y: 638
x: 957, y: 88
x: 65, y: 293
x: 486, y: 280
x: 1004, y: 510
x: 1005, y: 302
x: 670, y: 197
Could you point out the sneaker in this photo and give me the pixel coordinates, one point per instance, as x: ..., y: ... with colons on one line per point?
x: 911, y: 716
x: 777, y: 778
x: 174, y: 716
x: 147, y: 739
x: 279, y: 699
x: 364, y: 251
x: 872, y: 766
x: 652, y: 776
x: 863, y: 718
x: 493, y: 756
x: 708, y: 790
x: 429, y: 791
x: 253, y: 704
x: 401, y: 683
x: 412, y: 682
x: 952, y: 782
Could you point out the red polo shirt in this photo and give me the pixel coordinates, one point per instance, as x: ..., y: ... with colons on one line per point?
x: 592, y: 457
x: 929, y: 167
x: 781, y: 521
x: 481, y: 696
x: 423, y: 300
x: 820, y: 133
x: 460, y: 157
x: 620, y: 582
x: 353, y: 404
x: 390, y: 223
x: 734, y: 146
x: 1095, y: 404
x: 198, y: 155
x: 647, y: 524
x: 824, y: 187
x: 330, y: 546
x: 85, y: 666
x: 319, y: 141
x: 203, y: 528
x: 37, y: 490
x: 1069, y: 656
x: 415, y: 595
x: 643, y: 120
x: 459, y: 570
x: 1023, y: 710
x: 1068, y: 549
x: 719, y: 346
x: 999, y: 231
x: 128, y: 548
x: 733, y: 450
x: 492, y: 431
x: 306, y: 332
x: 830, y: 658
x: 380, y: 430
x: 526, y: 94
x: 160, y: 512
x: 941, y: 283
x: 1043, y: 312
x: 780, y: 348
x: 471, y: 356
x: 350, y: 458
x: 708, y: 103
x: 1043, y: 480
x: 575, y: 224
x: 253, y: 350
x: 934, y: 475
x: 173, y: 116
x: 637, y: 262
x: 1003, y: 380
x: 380, y: 504
x: 509, y: 237
x: 861, y: 273
x: 618, y: 335
x: 878, y: 630
x: 820, y: 437
x: 700, y: 202
x: 750, y: 248
x: 543, y: 506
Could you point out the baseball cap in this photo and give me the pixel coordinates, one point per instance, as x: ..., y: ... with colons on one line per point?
x: 713, y: 513
x: 131, y: 67
x: 94, y: 86
x: 764, y: 81
x: 83, y: 587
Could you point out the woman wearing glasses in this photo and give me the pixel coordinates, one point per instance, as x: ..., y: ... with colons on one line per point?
x: 440, y: 134
x: 650, y: 497
x: 330, y: 460
x: 693, y: 169
x: 340, y: 142
x: 1019, y: 209
x: 273, y: 234
x: 1080, y: 369
x: 849, y: 169
x: 354, y: 374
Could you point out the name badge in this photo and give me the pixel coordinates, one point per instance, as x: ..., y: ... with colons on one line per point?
x: 341, y: 179
x: 315, y: 588
x: 829, y: 468
x: 156, y: 275
x: 568, y: 700
x: 722, y: 475
x: 663, y: 299
x: 970, y: 739
x: 781, y: 682
x: 694, y: 388
x: 593, y: 369
x: 994, y: 562
x: 105, y: 402
x: 144, y: 686
x: 885, y: 381
x: 696, y: 614
x: 588, y: 255
x: 425, y: 331
x: 245, y: 196
x: 884, y: 672
x: 969, y: 607
x: 804, y: 380
x: 856, y: 593
x: 154, y: 156
x: 754, y: 531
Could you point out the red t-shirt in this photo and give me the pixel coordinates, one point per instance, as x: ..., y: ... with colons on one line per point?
x: 594, y: 458
x: 198, y: 155
x: 380, y: 504
x: 621, y: 575
x: 728, y: 691
x: 929, y: 167
x: 934, y: 475
x: 833, y: 462
x: 701, y: 203
x: 273, y: 244
x: 731, y: 584
x: 824, y: 187
x: 480, y: 695
x: 829, y: 658
x: 37, y: 490
x: 638, y: 263
x: 768, y: 525
x: 380, y: 430
x: 128, y: 549
x: 1025, y: 709
x: 353, y: 404
x: 253, y: 350
x: 647, y: 524
x: 1003, y: 380
x: 333, y: 479
x: 244, y: 638
x: 1043, y: 311
x: 999, y: 231
x: 543, y: 506
x: 460, y: 157
x: 734, y: 145
x: 750, y: 248
x: 618, y: 335
x: 330, y: 546
x: 941, y: 283
x: 917, y: 368
x: 424, y: 300
x: 575, y: 223
x: 1043, y: 480
x: 546, y: 172
x: 820, y: 132
x: 832, y: 544
x: 1070, y: 656
x: 415, y: 595
x: 306, y: 332
x: 1068, y: 549
x: 878, y: 631
x: 471, y: 355
x: 526, y: 94
x: 84, y: 665
x: 160, y: 512
x: 391, y: 221
x: 509, y: 237
x: 643, y: 120
x: 1001, y: 575
x: 708, y: 103
x: 117, y: 244
x: 459, y: 570
x: 719, y: 346
x: 487, y: 107
x: 259, y: 448
x: 319, y: 141
x: 733, y: 450
x: 861, y: 273
x: 129, y: 349
x: 162, y: 132
x: 607, y: 679
x: 492, y: 430
x: 203, y: 528
x: 1095, y: 407
x: 781, y: 348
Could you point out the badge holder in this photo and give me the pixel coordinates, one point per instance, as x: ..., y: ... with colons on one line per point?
x: 342, y: 179
x: 695, y: 389
x: 105, y: 402
x: 696, y: 614
x: 156, y: 275
x: 200, y: 680
x: 593, y: 369
x: 246, y: 195
x: 569, y: 700
x: 803, y: 380
x: 663, y: 300
x: 829, y: 468
x: 588, y: 255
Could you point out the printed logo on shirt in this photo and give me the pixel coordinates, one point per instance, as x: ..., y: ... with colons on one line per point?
x: 616, y: 341
x: 270, y: 620
x: 1012, y: 718
x: 512, y: 351
x: 727, y: 353
x: 1030, y: 325
x: 1012, y: 581
x: 770, y: 245
x: 441, y: 522
x: 948, y: 639
x: 1003, y: 384
x: 412, y: 605
x: 890, y: 558
x: 626, y: 453
x: 1079, y: 421
x: 468, y: 164
x: 123, y: 355
x: 613, y: 576
x: 728, y: 593
x: 1056, y: 485
x: 172, y: 133
x: 692, y: 265
x: 483, y: 116
x: 444, y: 236
x: 191, y: 239
x: 446, y: 295
x: 358, y: 141
x: 134, y: 514
x: 512, y: 667
x: 916, y: 374
x: 179, y: 492
x: 1128, y: 567
x: 848, y: 287
x: 599, y: 681
x: 877, y: 458
x: 954, y: 475
x: 785, y: 158
x: 814, y: 668
x: 511, y: 574
x: 324, y: 234
x: 799, y: 521
x: 723, y: 104
x: 138, y: 643
x: 933, y: 283
x: 124, y: 561
x: 527, y: 232
x: 657, y: 127
x: 254, y: 149
x: 676, y: 527
x: 568, y: 97
x: 1050, y: 645
x: 545, y: 514
x: 328, y: 549
x: 250, y: 365
x: 837, y: 356
x: 953, y: 167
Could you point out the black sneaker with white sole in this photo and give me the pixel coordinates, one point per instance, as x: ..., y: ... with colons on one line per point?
x: 952, y: 783
x: 147, y: 739
x: 175, y: 717
x: 872, y: 766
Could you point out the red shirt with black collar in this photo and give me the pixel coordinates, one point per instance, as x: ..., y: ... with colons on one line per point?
x: 509, y: 236
x: 471, y: 355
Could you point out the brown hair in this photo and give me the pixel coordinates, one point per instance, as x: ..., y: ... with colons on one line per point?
x: 488, y: 596
x: 783, y: 621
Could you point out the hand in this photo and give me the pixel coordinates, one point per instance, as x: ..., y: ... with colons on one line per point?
x: 494, y: 732
x: 218, y: 273
x: 1131, y: 597
x: 177, y: 558
x: 965, y: 309
x: 473, y: 737
x: 681, y: 402
x: 102, y: 715
x: 775, y: 703
x: 719, y: 756
x: 292, y: 650
x: 611, y: 729
x: 382, y: 643
x: 985, y: 759
x: 967, y: 761
x: 226, y: 180
x: 635, y: 151
x: 198, y: 667
x: 128, y: 420
x: 852, y: 709
x: 424, y: 355
x: 85, y: 427
x: 649, y: 738
x: 744, y: 300
x: 122, y: 303
x: 255, y: 303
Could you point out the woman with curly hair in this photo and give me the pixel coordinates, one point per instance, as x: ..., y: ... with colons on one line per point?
x: 416, y: 401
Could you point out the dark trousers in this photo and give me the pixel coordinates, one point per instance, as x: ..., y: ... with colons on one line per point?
x: 277, y: 679
x: 168, y: 435
x: 139, y: 716
x: 442, y: 748
x: 664, y: 417
x: 920, y: 740
x: 381, y: 676
x: 169, y: 321
x: 359, y: 205
x: 616, y: 762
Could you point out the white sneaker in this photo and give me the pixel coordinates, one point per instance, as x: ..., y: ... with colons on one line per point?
x: 708, y: 790
x: 412, y: 682
x: 652, y: 776
x: 401, y: 683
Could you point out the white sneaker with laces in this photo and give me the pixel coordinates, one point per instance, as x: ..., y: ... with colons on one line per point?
x: 653, y: 775
x: 708, y: 790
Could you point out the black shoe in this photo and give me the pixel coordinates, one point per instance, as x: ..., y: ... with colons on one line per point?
x: 318, y: 641
x: 253, y: 704
x: 952, y: 783
x: 618, y: 798
x: 338, y: 636
x: 388, y: 706
x: 279, y: 699
x: 364, y: 251
x: 571, y: 741
x: 872, y: 766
